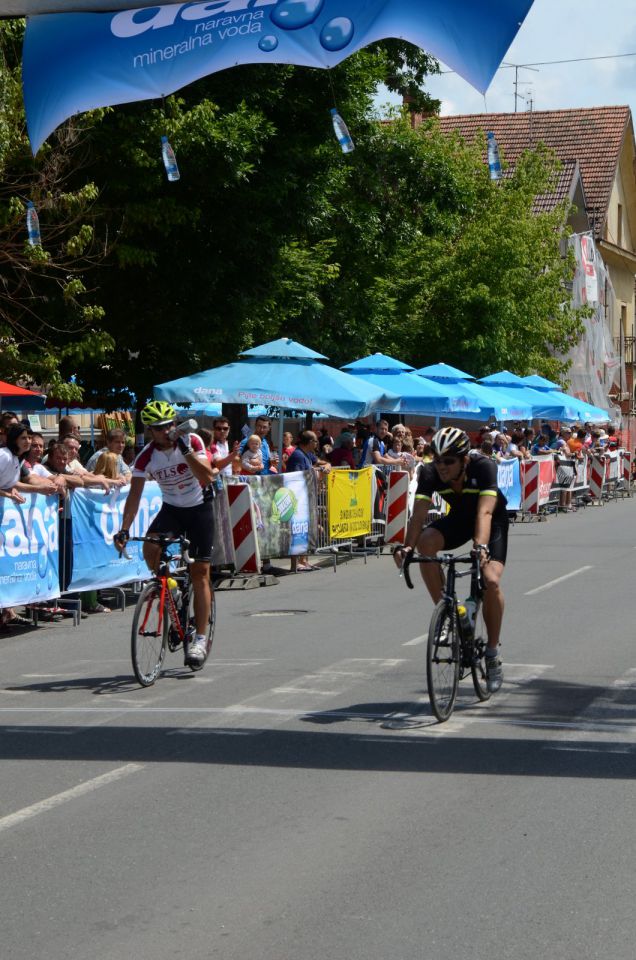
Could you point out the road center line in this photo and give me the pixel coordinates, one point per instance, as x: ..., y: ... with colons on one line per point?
x: 553, y: 583
x: 13, y: 819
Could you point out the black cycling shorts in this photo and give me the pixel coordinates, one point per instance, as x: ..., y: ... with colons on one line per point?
x: 456, y: 532
x: 195, y: 523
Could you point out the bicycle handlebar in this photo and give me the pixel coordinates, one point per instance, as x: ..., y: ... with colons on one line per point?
x: 444, y: 559
x: 163, y: 541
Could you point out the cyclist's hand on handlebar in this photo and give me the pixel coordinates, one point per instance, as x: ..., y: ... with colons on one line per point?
x: 400, y: 554
x: 483, y: 551
x: 121, y: 539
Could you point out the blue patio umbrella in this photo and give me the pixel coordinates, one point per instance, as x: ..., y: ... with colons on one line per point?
x: 577, y: 409
x: 417, y: 394
x: 282, y: 374
x: 543, y: 406
x: 495, y: 404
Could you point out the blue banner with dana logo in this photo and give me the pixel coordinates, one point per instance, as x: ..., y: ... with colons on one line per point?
x: 29, y: 550
x: 509, y: 482
x: 97, y: 517
x: 74, y: 62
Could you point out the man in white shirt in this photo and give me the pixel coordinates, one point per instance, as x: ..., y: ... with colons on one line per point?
x: 222, y: 455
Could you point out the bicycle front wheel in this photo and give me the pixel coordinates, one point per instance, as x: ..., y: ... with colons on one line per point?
x: 478, y: 666
x: 149, y: 635
x: 442, y: 661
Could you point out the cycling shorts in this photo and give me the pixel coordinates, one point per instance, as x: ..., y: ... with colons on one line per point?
x: 196, y: 523
x: 456, y: 531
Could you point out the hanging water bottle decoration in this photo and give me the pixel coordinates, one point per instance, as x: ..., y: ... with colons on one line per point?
x: 169, y: 160
x: 494, y: 163
x: 33, y: 225
x: 342, y: 134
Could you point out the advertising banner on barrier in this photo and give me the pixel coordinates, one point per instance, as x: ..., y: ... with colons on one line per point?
x: 349, y: 503
x: 546, y: 479
x: 286, y: 513
x: 29, y: 550
x: 96, y: 519
x: 509, y: 482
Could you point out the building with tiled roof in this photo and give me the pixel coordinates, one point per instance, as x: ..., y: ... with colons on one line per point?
x: 598, y: 144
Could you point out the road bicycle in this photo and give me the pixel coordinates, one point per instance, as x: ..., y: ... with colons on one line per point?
x: 164, y: 615
x: 457, y: 635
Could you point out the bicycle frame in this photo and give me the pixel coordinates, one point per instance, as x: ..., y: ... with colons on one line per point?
x: 166, y: 600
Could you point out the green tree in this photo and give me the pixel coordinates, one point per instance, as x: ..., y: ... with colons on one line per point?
x: 487, y: 287
x: 245, y: 247
x: 48, y: 326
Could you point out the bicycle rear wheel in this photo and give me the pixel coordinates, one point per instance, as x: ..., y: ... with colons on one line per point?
x: 478, y: 666
x: 149, y: 637
x: 442, y: 661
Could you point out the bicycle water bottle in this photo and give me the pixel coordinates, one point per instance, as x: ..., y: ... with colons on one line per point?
x: 342, y: 133
x: 33, y: 225
x: 169, y: 160
x: 173, y: 587
x: 466, y: 612
x: 494, y: 162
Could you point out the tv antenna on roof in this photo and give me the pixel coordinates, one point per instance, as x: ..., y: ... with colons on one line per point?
x: 517, y: 67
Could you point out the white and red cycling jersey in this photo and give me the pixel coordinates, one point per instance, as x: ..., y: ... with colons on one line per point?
x: 179, y: 486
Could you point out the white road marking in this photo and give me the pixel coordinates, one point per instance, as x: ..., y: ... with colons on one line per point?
x: 43, y: 806
x: 416, y: 640
x: 553, y: 583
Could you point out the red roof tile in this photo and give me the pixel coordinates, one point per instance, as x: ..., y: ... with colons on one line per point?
x: 592, y: 135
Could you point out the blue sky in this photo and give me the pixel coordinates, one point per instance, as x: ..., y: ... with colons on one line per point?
x: 557, y: 30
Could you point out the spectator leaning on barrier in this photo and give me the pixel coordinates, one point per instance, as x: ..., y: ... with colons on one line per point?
x: 375, y: 450
x: 564, y: 471
x: 115, y: 443
x: 91, y: 478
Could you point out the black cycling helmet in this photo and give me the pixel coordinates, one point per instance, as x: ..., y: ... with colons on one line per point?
x: 450, y: 442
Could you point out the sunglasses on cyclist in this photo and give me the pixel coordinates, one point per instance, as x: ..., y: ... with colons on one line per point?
x: 445, y: 461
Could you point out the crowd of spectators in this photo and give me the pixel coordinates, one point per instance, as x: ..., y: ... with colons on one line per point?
x: 67, y: 462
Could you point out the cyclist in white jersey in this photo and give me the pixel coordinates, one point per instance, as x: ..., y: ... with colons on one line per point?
x: 181, y: 468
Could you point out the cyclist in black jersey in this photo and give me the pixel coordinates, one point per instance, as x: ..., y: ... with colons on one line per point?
x: 468, y: 484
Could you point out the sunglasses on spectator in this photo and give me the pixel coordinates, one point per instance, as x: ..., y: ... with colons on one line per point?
x: 445, y: 461
x: 222, y: 428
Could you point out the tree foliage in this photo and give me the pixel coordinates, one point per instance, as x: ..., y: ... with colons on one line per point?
x: 404, y: 246
x: 48, y: 326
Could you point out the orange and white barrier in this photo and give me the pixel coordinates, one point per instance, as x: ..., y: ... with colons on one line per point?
x: 626, y: 467
x: 537, y: 477
x: 246, y: 553
x: 597, y: 477
x: 397, y: 506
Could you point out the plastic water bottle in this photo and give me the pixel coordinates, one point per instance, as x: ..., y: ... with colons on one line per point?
x: 33, y: 226
x: 186, y: 427
x: 342, y: 134
x: 169, y: 160
x: 173, y: 586
x: 494, y: 162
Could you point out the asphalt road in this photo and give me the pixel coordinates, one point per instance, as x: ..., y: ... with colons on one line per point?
x: 297, y: 800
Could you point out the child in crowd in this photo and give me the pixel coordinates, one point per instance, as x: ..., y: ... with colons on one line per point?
x: 107, y: 465
x: 252, y: 460
x: 288, y: 447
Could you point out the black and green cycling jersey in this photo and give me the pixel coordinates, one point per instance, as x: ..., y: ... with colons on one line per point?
x: 480, y: 480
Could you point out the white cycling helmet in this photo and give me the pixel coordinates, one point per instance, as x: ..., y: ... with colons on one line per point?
x: 450, y: 442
